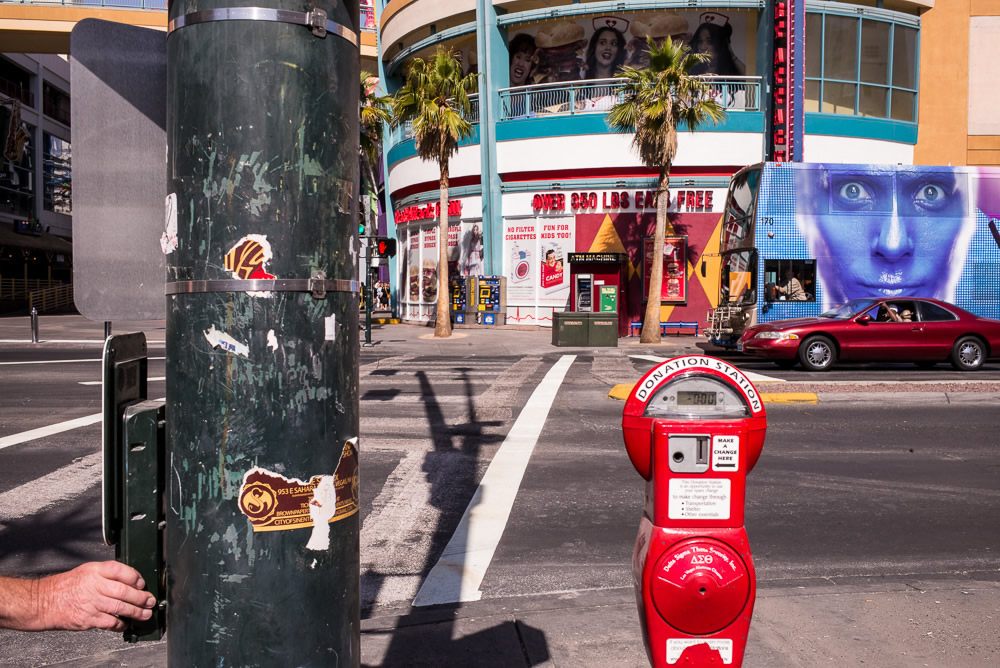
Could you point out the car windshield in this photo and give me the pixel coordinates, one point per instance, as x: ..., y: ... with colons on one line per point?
x: 850, y: 309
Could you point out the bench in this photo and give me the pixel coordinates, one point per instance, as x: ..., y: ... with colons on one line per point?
x: 664, y: 326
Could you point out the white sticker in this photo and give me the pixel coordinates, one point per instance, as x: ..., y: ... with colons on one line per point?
x: 676, y: 647
x: 330, y: 325
x: 168, y: 241
x: 726, y: 453
x: 699, y: 499
x: 222, y: 340
x: 272, y: 340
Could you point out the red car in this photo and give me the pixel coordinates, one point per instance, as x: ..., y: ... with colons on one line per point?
x: 895, y: 329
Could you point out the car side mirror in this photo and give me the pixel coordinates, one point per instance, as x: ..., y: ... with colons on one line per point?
x: 864, y: 319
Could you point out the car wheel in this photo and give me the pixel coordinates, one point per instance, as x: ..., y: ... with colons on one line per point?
x: 784, y: 364
x: 968, y: 354
x: 817, y: 353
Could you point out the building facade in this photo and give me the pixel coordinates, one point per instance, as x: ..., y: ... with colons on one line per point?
x: 36, y: 184
x: 544, y: 176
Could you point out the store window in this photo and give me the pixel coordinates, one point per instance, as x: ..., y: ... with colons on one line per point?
x: 17, y: 190
x: 860, y: 66
x: 790, y: 280
x: 55, y: 104
x: 57, y: 195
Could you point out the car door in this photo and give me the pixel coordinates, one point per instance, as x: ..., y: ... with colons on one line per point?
x: 940, y: 329
x: 885, y: 340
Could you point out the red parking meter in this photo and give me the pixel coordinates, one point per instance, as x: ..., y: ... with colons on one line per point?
x: 694, y: 427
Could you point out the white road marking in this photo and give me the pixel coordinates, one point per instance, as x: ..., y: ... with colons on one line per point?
x: 64, y: 361
x: 98, y: 382
x: 459, y: 572
x: 52, y: 429
x: 62, y: 484
x: 754, y: 377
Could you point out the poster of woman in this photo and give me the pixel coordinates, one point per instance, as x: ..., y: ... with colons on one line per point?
x: 597, y: 47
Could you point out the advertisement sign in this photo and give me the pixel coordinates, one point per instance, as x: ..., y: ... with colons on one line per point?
x: 535, y: 252
x: 884, y: 230
x: 597, y: 47
x: 674, y: 287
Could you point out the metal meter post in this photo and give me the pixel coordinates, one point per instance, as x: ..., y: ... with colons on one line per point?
x: 262, y: 334
x: 694, y: 427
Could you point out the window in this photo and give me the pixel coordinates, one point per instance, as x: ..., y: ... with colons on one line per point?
x: 933, y: 313
x: 57, y: 194
x: 860, y: 66
x: 790, y: 280
x: 55, y: 104
x: 17, y: 190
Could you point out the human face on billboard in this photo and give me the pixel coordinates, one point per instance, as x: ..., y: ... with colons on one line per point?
x: 886, y: 233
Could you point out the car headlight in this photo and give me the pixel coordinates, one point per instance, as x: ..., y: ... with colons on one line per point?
x: 780, y: 336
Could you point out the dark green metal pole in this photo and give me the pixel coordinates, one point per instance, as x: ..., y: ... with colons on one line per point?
x: 262, y: 390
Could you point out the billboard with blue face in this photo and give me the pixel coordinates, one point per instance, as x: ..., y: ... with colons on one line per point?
x: 884, y: 231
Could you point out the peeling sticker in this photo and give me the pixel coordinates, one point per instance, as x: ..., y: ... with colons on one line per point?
x: 330, y: 328
x: 272, y: 340
x: 222, y: 340
x: 322, y: 508
x: 247, y: 260
x: 273, y: 502
x: 168, y: 241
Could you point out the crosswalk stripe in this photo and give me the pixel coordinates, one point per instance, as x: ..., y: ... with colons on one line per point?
x: 459, y: 573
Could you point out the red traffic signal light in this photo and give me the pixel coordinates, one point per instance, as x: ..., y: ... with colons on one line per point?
x: 385, y: 247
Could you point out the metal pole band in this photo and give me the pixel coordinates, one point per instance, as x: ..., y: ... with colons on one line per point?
x: 317, y: 286
x: 315, y: 19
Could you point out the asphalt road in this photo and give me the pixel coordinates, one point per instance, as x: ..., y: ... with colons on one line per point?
x: 873, y: 492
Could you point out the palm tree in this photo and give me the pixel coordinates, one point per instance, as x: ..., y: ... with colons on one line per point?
x: 435, y: 98
x: 375, y: 113
x: 656, y: 101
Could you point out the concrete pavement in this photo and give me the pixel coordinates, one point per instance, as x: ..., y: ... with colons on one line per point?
x: 886, y: 624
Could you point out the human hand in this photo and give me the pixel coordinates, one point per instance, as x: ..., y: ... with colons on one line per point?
x: 93, y: 595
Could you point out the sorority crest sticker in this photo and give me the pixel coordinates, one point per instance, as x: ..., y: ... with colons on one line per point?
x: 273, y: 502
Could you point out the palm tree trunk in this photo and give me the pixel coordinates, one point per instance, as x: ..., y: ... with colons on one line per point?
x: 442, y: 326
x: 651, y: 321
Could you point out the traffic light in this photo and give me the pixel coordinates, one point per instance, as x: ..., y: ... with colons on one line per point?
x: 385, y: 247
x: 361, y: 227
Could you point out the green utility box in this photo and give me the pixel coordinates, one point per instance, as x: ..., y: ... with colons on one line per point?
x: 570, y: 329
x: 603, y: 330
x: 608, y: 298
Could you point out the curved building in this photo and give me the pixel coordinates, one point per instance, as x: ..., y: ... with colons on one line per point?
x: 543, y: 177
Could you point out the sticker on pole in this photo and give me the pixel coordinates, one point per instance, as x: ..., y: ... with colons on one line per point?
x: 713, y: 647
x: 726, y: 453
x: 699, y: 499
x: 273, y: 502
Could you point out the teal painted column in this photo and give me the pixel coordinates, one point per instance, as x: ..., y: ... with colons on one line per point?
x: 387, y: 86
x: 494, y: 66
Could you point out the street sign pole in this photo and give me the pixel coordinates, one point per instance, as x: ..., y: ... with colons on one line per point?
x: 368, y: 294
x: 262, y: 334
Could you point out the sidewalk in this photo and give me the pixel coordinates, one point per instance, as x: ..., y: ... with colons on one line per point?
x: 939, y: 624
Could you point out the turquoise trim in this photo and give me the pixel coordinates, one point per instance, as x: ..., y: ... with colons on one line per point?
x: 435, y: 195
x: 589, y: 124
x: 854, y: 11
x: 636, y: 183
x: 436, y: 38
x: 408, y: 148
x: 839, y: 125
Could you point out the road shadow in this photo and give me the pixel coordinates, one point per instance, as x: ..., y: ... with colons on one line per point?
x: 452, y: 468
x: 56, y: 539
